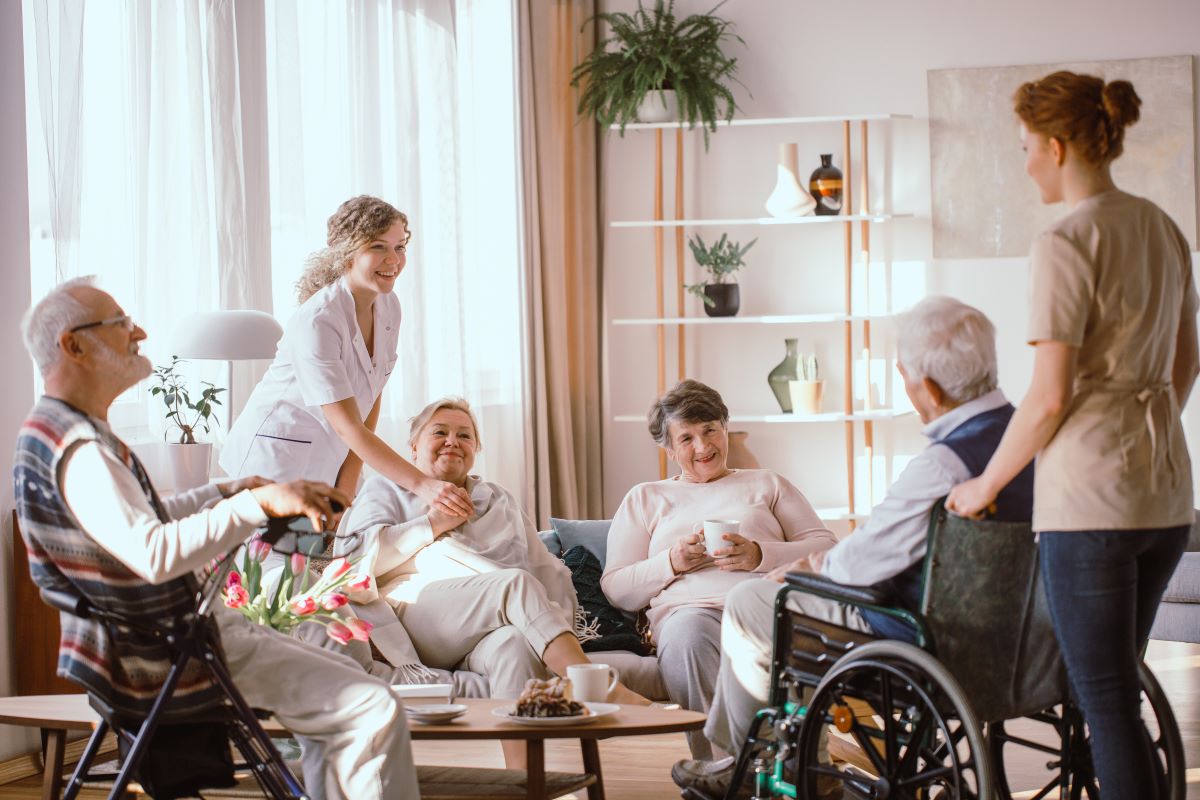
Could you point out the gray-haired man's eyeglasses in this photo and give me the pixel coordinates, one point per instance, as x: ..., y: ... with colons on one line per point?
x: 124, y: 321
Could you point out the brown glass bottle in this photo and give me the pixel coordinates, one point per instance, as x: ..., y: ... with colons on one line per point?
x: 825, y: 186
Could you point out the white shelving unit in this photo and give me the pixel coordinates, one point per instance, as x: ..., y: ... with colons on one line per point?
x: 856, y: 201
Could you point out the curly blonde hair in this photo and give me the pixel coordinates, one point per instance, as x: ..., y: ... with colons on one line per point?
x: 357, y: 221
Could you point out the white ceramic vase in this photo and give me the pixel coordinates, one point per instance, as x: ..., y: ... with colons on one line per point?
x: 658, y: 106
x: 806, y: 396
x: 789, y: 199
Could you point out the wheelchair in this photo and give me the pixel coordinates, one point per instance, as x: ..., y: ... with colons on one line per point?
x: 939, y: 718
x: 199, y: 745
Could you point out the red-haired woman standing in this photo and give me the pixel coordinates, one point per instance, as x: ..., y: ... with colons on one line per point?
x: 1113, y: 320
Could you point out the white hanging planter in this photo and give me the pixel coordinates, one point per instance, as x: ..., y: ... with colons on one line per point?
x: 659, y: 106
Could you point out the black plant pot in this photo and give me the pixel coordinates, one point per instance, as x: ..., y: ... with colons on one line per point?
x: 726, y: 298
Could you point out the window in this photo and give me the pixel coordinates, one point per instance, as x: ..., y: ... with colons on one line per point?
x: 410, y: 100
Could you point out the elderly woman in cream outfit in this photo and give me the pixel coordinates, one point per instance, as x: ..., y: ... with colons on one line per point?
x: 483, y: 594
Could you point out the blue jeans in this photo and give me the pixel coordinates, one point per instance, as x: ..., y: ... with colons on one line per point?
x: 1103, y: 589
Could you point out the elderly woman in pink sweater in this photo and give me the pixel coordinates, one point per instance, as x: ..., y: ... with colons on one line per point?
x: 656, y: 550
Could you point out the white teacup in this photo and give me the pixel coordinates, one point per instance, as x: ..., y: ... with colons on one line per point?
x: 591, y: 683
x: 714, y: 529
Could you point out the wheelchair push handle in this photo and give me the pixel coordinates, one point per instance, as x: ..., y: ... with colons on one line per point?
x: 295, y: 534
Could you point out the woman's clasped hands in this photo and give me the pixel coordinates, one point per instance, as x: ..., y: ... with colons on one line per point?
x: 449, y: 504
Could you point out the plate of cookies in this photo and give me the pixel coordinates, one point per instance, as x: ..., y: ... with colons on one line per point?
x: 548, y: 704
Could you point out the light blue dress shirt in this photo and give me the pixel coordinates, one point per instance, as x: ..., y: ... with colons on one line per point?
x: 894, y: 537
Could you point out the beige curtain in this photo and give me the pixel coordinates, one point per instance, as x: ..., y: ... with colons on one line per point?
x: 563, y: 261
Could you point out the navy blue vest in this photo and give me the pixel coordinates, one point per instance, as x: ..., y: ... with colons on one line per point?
x: 974, y: 442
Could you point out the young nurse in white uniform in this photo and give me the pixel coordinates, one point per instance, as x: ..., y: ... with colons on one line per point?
x: 313, y: 415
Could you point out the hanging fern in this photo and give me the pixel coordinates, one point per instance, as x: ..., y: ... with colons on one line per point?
x: 650, y: 50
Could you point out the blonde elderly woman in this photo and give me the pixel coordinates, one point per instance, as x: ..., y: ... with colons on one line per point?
x: 657, y: 557
x: 484, y: 594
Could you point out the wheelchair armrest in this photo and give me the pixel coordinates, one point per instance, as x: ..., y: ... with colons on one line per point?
x: 65, y: 601
x: 854, y: 595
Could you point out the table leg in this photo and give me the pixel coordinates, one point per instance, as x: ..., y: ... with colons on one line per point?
x: 591, y: 763
x: 535, y: 769
x: 53, y: 743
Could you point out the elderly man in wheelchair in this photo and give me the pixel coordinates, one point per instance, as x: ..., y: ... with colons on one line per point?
x: 913, y: 631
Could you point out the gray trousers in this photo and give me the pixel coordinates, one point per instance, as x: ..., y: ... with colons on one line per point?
x: 689, y: 657
x: 352, y: 729
x: 747, y: 633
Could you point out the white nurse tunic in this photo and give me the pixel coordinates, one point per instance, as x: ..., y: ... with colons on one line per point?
x: 282, y: 434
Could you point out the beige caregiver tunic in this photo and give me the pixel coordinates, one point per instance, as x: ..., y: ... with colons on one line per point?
x: 1113, y: 278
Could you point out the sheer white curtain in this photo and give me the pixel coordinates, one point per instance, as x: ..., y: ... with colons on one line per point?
x: 411, y: 101
x: 142, y: 176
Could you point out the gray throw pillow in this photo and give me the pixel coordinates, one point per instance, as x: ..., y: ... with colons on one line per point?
x: 591, y: 534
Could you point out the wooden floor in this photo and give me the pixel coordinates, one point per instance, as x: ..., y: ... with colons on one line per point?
x: 638, y: 768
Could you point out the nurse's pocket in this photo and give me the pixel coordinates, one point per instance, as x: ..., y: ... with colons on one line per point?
x: 278, y: 458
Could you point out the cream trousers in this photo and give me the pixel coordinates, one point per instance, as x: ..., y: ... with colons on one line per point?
x: 747, y: 633
x: 353, y: 731
x: 495, y: 623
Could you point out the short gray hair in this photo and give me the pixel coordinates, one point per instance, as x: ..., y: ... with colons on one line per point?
x: 687, y: 401
x: 951, y: 343
x: 45, y: 322
x: 418, y: 423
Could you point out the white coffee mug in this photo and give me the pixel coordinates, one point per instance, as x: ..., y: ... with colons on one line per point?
x: 714, y: 529
x: 591, y: 683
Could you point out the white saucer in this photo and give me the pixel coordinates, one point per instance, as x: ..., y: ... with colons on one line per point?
x: 434, y: 713
x: 595, y: 711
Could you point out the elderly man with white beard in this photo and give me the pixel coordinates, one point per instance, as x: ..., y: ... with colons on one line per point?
x: 94, y: 526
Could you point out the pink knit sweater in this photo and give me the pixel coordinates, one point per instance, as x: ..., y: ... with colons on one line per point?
x: 653, y: 516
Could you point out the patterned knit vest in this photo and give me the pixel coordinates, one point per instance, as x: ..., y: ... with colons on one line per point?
x: 125, y: 671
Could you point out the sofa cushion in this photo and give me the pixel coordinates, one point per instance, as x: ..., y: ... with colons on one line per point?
x: 612, y: 630
x: 552, y: 542
x: 589, y: 533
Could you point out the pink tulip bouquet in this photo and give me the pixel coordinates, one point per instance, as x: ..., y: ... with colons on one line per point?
x: 291, y: 601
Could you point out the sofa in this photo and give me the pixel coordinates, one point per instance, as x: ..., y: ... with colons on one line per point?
x: 1178, y: 618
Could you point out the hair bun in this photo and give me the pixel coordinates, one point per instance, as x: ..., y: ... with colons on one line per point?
x: 1121, y: 103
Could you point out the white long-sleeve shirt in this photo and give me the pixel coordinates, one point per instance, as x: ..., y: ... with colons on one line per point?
x: 893, y: 538
x: 107, y: 500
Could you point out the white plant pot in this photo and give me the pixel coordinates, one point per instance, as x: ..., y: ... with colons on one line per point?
x: 806, y: 396
x: 658, y: 106
x: 187, y: 465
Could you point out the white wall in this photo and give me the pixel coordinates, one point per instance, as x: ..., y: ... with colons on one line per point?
x: 805, y: 59
x: 17, y: 396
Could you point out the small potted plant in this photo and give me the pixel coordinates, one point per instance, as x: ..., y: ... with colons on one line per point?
x: 808, y: 389
x: 187, y: 459
x: 651, y: 60
x: 720, y: 293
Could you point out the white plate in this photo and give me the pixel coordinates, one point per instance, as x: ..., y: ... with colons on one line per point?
x: 595, y: 711
x: 433, y: 713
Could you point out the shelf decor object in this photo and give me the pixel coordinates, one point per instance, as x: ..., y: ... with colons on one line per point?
x: 783, y: 374
x: 854, y: 216
x: 651, y: 51
x: 720, y: 260
x: 739, y: 456
x: 788, y: 199
x: 808, y: 389
x: 660, y: 105
x: 826, y: 187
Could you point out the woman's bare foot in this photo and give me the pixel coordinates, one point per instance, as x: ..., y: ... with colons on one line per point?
x: 626, y: 696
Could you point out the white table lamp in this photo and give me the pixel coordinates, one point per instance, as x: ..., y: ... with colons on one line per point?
x: 227, y: 335
x: 235, y: 335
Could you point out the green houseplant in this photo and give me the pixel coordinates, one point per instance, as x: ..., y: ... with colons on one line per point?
x: 651, y: 50
x: 720, y: 260
x: 187, y: 460
x: 183, y: 413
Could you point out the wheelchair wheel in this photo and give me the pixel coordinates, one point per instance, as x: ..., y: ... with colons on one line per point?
x: 911, y: 719
x: 1072, y: 771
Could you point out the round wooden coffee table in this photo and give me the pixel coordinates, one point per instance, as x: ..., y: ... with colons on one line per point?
x: 479, y: 723
x: 57, y: 714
